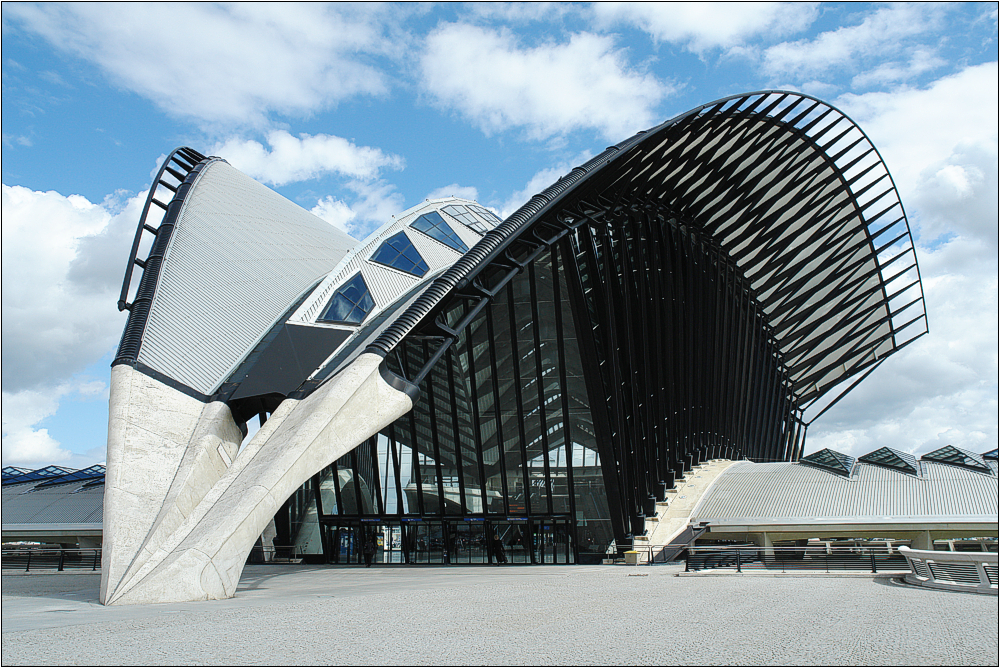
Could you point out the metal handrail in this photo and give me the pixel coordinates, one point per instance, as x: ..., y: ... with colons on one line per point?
x: 60, y: 559
x: 185, y: 159
x: 822, y: 557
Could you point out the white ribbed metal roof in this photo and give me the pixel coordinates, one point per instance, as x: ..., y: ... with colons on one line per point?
x: 239, y: 256
x: 781, y: 493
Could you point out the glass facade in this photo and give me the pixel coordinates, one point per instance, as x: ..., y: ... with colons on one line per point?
x: 497, y: 461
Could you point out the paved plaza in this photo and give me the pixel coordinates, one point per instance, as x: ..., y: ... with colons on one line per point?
x: 560, y: 615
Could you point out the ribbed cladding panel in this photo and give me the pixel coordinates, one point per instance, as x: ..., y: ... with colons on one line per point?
x: 240, y: 254
x: 54, y: 505
x: 783, y: 490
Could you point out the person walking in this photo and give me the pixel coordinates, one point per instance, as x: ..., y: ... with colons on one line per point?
x: 498, y: 551
x: 369, y: 551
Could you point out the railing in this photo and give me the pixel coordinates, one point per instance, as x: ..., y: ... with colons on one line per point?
x: 276, y: 554
x: 958, y: 571
x: 173, y: 171
x: 870, y: 558
x: 75, y: 559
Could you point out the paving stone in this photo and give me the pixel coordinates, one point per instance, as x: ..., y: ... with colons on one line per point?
x: 559, y: 615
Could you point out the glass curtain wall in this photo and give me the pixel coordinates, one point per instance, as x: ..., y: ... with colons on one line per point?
x: 498, y: 461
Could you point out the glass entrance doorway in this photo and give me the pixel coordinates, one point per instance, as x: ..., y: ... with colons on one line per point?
x: 459, y: 542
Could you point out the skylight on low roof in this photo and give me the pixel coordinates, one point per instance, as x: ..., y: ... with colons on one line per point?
x: 949, y: 454
x: 91, y: 473
x: 38, y: 474
x: 830, y: 460
x: 893, y: 459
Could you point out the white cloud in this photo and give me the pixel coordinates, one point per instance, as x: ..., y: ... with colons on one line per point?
x: 701, y: 26
x: 23, y: 445
x: 548, y: 90
x: 290, y: 159
x: 63, y: 259
x: 919, y: 132
x: 539, y: 182
x: 226, y: 63
x: 374, y: 202
x: 887, y: 32
x: 940, y: 144
x: 454, y: 190
x: 336, y: 212
x: 921, y: 60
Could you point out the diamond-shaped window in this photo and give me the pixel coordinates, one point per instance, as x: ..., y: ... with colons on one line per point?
x: 830, y: 460
x: 351, y: 304
x: 949, y: 454
x: 465, y: 216
x: 893, y: 459
x: 398, y: 252
x: 434, y: 226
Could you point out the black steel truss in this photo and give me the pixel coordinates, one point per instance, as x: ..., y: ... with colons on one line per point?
x: 723, y: 273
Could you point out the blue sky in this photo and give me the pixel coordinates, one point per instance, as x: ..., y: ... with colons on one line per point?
x: 357, y: 112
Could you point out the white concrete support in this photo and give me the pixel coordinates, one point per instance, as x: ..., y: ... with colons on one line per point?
x: 922, y: 541
x: 764, y: 540
x: 202, y: 555
x: 163, y: 449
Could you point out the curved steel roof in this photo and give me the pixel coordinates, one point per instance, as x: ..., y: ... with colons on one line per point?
x: 790, y: 188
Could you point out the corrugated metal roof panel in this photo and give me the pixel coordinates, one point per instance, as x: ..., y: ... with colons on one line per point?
x: 782, y: 490
x: 60, y: 504
x: 239, y: 255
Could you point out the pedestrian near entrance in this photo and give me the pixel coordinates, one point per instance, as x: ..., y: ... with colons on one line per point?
x: 369, y: 551
x: 498, y: 551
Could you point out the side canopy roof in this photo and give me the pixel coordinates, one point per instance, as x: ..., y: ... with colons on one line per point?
x: 227, y: 260
x: 787, y: 186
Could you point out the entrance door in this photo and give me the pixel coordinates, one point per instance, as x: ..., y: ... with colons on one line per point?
x: 469, y: 543
x: 552, y: 542
x: 424, y: 542
x: 345, y: 544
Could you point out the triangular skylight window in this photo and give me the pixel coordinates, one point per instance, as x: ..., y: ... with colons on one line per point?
x: 949, y: 454
x: 893, y: 459
x: 992, y: 454
x: 350, y: 304
x: 830, y: 460
x: 434, y: 226
x: 398, y: 252
x: 485, y: 214
x: 465, y: 216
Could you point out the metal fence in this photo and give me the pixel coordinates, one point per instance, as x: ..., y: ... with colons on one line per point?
x: 963, y: 571
x: 873, y: 559
x: 277, y: 554
x: 51, y: 559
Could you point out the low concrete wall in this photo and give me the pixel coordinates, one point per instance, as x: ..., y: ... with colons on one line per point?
x: 957, y: 571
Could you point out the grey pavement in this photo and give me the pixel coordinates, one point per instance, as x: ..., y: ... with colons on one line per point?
x: 558, y: 615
